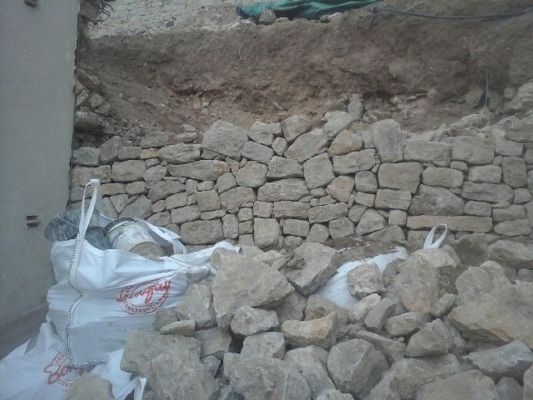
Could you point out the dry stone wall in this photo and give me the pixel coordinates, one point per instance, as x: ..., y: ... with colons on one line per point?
x: 279, y: 184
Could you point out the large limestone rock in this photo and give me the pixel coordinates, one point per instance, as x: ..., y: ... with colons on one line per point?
x: 354, y: 162
x: 90, y: 387
x: 267, y: 232
x: 282, y: 168
x: 182, y: 377
x: 437, y: 153
x: 266, y: 378
x: 511, y: 360
x: 340, y: 188
x: 236, y: 197
x: 249, y: 321
x: 404, y: 324
x: 514, y: 171
x: 244, y: 281
x: 445, y: 177
x: 365, y: 181
x: 363, y: 307
x: 327, y: 212
x: 140, y: 208
x: 268, y: 344
x: 485, y: 173
x: 202, y: 232
x: 473, y: 150
x: 471, y: 385
x: 512, y: 254
x: 143, y: 346
x: 472, y: 249
x: 509, y: 389
x: 179, y: 153
x: 203, y: 170
x: 215, y: 342
x: 307, y: 145
x: 490, y: 192
x: 318, y: 307
x: 294, y: 126
x: 432, y: 340
x: 356, y: 366
x: 393, y: 350
x: 292, y: 308
x: 311, y: 363
x: 502, y: 315
x: 436, y: 201
x: 320, y: 264
x: 476, y: 281
x: 443, y: 263
x: 345, y: 142
x: 376, y: 317
x: 161, y: 139
x: 407, y: 375
x: 388, y: 140
x: 316, y: 332
x: 522, y: 101
x: 455, y: 224
x: 365, y: 280
x: 253, y: 174
x: 402, y: 176
x: 384, y: 390
x: 197, y: 305
x: 128, y: 171
x: 418, y: 284
x: 284, y: 189
x: 291, y: 209
x: 225, y: 138
x: 257, y: 152
x: 513, y: 228
x: 184, y: 328
x: 318, y: 171
x: 371, y: 221
x: 264, y: 133
x: 336, y: 122
x: 392, y: 199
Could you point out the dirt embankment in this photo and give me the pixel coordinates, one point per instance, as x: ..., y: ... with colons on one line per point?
x: 268, y: 72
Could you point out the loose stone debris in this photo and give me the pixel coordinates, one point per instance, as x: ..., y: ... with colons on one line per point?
x: 249, y: 333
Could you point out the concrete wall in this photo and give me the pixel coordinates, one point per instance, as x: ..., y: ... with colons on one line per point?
x: 37, y: 48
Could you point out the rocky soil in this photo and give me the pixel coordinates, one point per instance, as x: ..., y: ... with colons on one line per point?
x: 419, y: 72
x: 451, y: 323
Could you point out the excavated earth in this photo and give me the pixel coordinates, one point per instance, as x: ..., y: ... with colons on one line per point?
x: 421, y: 72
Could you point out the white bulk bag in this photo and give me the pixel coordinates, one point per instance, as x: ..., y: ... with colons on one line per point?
x: 38, y: 370
x: 100, y: 295
x: 336, y: 289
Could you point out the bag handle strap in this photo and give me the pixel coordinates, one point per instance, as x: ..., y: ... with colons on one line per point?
x: 94, y: 204
x: 435, y: 244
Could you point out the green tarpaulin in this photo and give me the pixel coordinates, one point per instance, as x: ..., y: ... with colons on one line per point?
x: 301, y: 8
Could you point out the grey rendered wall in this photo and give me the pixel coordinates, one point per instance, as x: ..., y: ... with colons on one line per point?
x: 37, y: 48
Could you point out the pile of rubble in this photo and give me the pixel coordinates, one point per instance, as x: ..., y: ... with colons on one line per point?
x: 277, y: 185
x: 450, y: 323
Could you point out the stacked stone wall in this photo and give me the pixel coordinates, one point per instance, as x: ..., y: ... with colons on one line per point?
x: 277, y: 185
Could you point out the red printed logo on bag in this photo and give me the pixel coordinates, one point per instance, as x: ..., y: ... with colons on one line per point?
x: 144, y: 298
x: 58, y: 371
